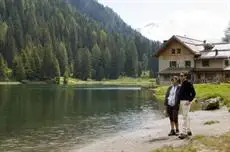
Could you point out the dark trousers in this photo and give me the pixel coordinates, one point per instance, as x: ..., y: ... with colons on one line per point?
x: 173, y: 113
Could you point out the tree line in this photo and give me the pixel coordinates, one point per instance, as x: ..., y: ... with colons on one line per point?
x: 41, y: 40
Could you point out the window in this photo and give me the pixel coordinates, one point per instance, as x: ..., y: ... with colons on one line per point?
x: 227, y: 75
x: 187, y: 64
x: 173, y: 51
x: 178, y: 51
x: 172, y: 64
x: 226, y: 62
x: 205, y: 63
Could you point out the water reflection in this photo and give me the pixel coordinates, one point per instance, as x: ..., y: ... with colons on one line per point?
x: 45, y: 118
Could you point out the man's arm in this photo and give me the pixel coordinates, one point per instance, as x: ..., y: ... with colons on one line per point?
x: 193, y: 92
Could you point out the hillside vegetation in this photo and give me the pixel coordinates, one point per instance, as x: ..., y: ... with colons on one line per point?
x: 42, y: 40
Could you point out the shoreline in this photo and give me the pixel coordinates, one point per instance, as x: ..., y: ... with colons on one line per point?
x: 153, y: 135
x: 148, y: 86
x: 9, y: 83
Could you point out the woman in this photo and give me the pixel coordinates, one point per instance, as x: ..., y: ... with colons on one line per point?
x: 172, y: 103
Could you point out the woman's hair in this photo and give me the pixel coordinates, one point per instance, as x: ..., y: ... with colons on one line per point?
x: 175, y: 78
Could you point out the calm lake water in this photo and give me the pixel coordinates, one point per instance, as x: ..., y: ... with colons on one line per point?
x: 45, y: 118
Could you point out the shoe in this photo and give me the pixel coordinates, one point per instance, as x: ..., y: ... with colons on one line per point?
x: 183, y: 136
x: 172, y: 133
x: 189, y: 133
x: 177, y: 132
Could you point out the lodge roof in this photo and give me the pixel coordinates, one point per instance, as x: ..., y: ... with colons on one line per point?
x: 199, y: 47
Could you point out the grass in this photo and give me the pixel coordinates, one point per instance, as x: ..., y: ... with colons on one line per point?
x: 211, y: 122
x: 203, y: 91
x: 202, y: 143
x: 143, y: 82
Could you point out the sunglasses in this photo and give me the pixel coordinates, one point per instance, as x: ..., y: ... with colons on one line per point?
x: 181, y: 75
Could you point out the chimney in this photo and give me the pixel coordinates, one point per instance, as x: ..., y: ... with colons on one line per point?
x: 165, y: 41
x: 216, y: 52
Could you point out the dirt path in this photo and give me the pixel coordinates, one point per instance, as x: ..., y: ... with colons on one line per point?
x: 154, y: 134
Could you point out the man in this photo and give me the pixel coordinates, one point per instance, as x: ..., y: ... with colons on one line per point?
x: 186, y: 95
x: 172, y: 104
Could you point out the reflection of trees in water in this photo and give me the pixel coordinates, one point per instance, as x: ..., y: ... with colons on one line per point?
x: 99, y: 102
x: 34, y: 107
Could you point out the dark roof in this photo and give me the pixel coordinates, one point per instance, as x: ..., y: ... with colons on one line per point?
x: 175, y: 70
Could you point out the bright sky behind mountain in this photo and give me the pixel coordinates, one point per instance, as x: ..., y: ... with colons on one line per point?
x: 160, y: 19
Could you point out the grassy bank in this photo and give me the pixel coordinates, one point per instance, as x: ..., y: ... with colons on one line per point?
x: 143, y: 82
x: 203, y: 91
x: 202, y: 143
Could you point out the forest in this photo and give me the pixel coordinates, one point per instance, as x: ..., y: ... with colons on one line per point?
x: 45, y: 39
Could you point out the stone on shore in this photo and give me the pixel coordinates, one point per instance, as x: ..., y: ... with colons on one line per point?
x: 211, y: 104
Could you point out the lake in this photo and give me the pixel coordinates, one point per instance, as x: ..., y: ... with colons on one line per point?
x: 59, y: 118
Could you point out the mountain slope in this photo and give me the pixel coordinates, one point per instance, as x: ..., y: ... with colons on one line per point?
x: 112, y: 22
x: 105, y: 16
x: 47, y: 39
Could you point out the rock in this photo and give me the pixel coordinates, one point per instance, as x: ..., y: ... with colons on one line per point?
x: 211, y: 104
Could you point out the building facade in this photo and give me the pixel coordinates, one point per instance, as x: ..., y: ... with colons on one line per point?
x: 206, y: 62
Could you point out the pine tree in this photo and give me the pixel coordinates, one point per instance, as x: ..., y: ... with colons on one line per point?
x: 139, y: 72
x: 62, y: 58
x: 3, y: 9
x: 77, y: 64
x: 49, y: 69
x: 121, y: 60
x: 18, y: 69
x: 97, y: 63
x: 37, y: 65
x: 19, y: 37
x: 3, y: 68
x: 10, y: 48
x: 106, y: 62
x: 27, y: 63
x: 82, y: 66
x: 86, y: 64
x: 55, y: 67
x: 66, y: 78
x: 3, y: 30
x: 131, y: 59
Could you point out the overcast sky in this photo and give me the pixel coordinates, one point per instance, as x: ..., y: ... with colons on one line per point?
x: 201, y: 19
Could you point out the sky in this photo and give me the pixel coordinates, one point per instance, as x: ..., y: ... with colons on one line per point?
x: 160, y: 19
